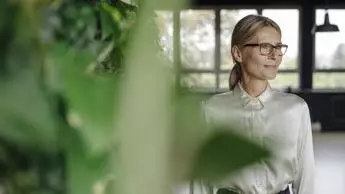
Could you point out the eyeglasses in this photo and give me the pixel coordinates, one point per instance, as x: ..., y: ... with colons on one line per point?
x: 267, y: 48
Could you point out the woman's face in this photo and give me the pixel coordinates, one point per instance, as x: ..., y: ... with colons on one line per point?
x: 257, y: 64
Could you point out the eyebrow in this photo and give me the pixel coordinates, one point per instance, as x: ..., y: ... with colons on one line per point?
x: 276, y: 43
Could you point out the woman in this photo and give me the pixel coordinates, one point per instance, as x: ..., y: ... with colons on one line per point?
x: 277, y: 121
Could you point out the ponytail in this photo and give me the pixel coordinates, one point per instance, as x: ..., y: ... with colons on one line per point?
x: 235, y: 76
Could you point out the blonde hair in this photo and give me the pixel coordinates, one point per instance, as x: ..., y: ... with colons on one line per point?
x: 244, y: 30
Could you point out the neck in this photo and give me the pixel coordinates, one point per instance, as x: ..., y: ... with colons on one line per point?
x: 254, y: 87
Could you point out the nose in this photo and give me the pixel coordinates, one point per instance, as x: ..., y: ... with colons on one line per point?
x: 273, y: 55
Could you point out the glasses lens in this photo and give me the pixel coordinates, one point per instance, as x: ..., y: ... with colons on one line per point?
x: 266, y: 48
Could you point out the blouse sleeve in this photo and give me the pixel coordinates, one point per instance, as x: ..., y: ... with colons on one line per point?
x: 304, y: 181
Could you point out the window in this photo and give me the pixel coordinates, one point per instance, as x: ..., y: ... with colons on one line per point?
x: 205, y: 58
x: 227, y: 23
x: 329, y: 70
x: 199, y: 80
x: 197, y: 39
x: 329, y: 80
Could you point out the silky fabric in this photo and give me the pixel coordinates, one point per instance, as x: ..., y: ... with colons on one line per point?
x: 277, y: 121
x: 225, y: 191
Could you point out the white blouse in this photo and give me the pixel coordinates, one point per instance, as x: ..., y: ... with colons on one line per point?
x: 279, y: 122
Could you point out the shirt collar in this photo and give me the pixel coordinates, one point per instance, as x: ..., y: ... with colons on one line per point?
x: 248, y: 101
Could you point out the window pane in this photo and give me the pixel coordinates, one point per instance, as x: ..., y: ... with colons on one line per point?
x: 164, y: 21
x: 329, y: 80
x: 330, y: 46
x: 197, y: 39
x: 224, y: 81
x: 288, y: 20
x: 199, y: 80
x: 228, y: 20
x: 282, y: 81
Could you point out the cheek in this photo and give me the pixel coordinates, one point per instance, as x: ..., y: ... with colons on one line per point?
x: 264, y: 60
x: 279, y: 60
x: 253, y: 64
x: 251, y: 59
x: 258, y: 60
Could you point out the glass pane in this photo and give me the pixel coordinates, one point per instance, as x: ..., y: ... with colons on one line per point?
x: 227, y: 23
x: 329, y: 80
x: 282, y: 81
x: 285, y: 80
x: 330, y: 46
x: 199, y: 80
x: 164, y: 21
x: 288, y: 20
x: 224, y: 80
x: 197, y: 39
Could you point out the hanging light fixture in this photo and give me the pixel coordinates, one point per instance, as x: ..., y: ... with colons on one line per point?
x: 326, y: 26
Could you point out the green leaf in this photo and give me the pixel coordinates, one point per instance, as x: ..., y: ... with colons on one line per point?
x: 201, y: 151
x: 224, y: 153
x: 25, y: 115
x: 83, y: 170
x: 109, y: 22
x: 113, y: 12
x: 190, y: 131
x: 92, y: 99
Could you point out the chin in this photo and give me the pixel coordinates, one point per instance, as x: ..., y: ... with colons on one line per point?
x: 271, y: 77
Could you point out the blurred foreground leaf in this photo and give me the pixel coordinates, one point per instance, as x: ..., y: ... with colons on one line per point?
x: 144, y: 124
x: 83, y: 169
x: 91, y: 98
x: 224, y: 153
x: 205, y: 152
x: 25, y: 116
x: 190, y: 131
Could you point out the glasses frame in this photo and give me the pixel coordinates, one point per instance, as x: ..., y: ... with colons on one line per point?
x: 273, y: 47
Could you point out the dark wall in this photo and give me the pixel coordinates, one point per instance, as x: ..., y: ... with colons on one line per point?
x: 327, y: 107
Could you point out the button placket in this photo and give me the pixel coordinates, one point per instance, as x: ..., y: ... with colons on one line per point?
x: 261, y: 171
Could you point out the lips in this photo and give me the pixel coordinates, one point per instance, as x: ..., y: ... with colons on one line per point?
x: 270, y: 66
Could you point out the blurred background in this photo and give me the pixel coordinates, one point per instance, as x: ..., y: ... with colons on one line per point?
x: 86, y: 88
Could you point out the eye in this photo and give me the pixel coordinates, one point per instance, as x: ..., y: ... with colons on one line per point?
x: 266, y: 45
x: 279, y: 46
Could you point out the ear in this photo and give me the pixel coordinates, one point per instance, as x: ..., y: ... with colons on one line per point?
x: 236, y: 53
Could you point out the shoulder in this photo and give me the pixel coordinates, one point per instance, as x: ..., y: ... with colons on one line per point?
x: 292, y: 100
x: 218, y: 99
x: 218, y: 105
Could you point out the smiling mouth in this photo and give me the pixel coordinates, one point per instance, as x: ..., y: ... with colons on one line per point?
x: 270, y: 66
